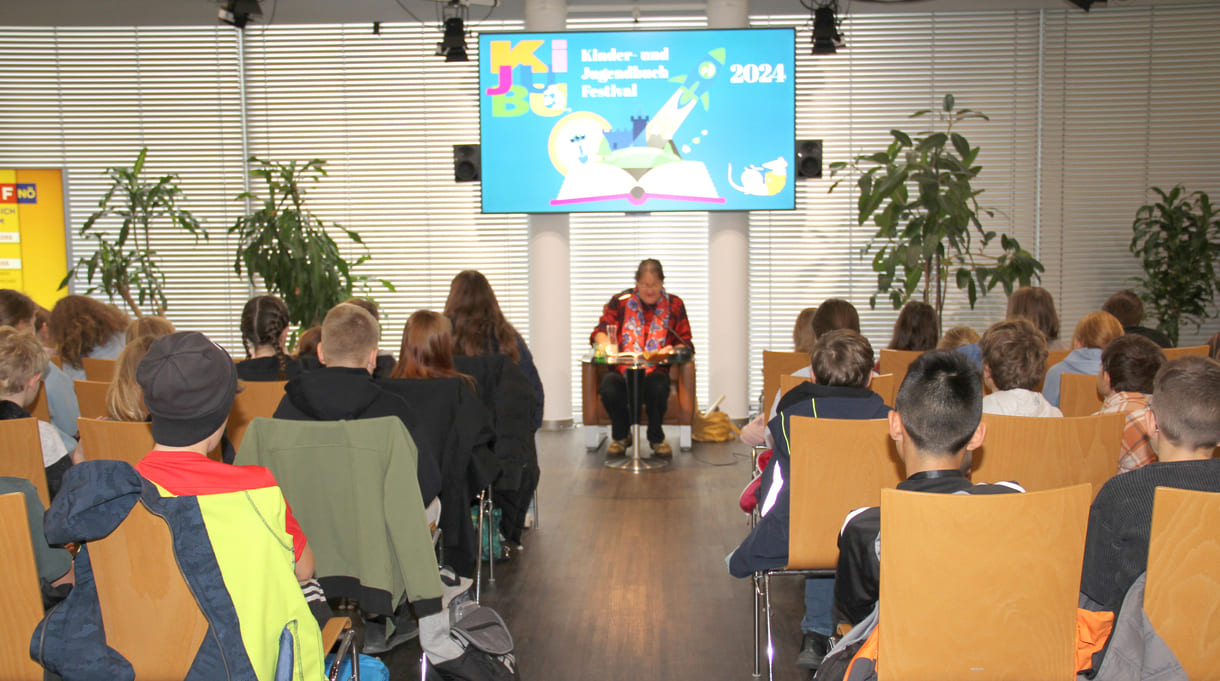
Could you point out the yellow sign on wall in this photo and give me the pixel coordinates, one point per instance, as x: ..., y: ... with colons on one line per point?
x: 33, y: 248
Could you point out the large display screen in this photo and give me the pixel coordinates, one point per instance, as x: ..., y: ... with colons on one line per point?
x: 637, y: 121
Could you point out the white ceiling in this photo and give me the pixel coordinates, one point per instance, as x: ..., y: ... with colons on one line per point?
x: 197, y: 12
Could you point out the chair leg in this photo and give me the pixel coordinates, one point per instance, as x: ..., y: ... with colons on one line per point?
x: 770, y: 639
x: 754, y: 582
x: 478, y: 573
x: 684, y: 441
x: 491, y: 558
x: 534, y: 508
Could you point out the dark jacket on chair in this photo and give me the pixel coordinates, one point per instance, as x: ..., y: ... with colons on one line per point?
x: 449, y: 418
x: 506, y: 393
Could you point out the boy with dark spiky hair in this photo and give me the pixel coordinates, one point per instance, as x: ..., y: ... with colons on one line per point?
x: 937, y: 424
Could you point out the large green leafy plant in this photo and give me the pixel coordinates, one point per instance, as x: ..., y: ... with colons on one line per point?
x: 125, y: 263
x: 918, y: 193
x: 1178, y: 240
x: 288, y: 247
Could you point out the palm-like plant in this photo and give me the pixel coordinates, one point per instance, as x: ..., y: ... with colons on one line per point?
x: 289, y: 248
x: 918, y: 193
x: 1178, y: 240
x: 127, y: 266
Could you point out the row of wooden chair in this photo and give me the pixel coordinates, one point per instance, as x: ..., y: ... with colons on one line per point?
x: 1014, y: 561
x: 1078, y: 392
x: 841, y: 465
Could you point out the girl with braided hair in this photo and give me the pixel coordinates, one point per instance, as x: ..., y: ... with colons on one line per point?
x: 264, y: 333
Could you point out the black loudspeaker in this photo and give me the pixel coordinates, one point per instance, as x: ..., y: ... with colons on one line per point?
x: 466, y: 164
x: 808, y: 159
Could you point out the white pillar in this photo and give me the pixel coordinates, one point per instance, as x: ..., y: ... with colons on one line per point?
x: 551, y: 314
x: 728, y: 288
x: 729, y: 273
x: 550, y: 272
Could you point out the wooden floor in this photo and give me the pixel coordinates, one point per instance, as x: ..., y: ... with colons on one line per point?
x: 624, y: 578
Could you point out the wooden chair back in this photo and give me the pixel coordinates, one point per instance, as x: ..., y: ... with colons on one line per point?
x: 896, y: 362
x: 788, y: 382
x: 38, y: 408
x: 98, y: 369
x: 91, y: 396
x: 23, y: 455
x: 258, y: 398
x: 1010, y: 571
x: 837, y: 466
x: 148, y: 610
x: 22, y: 593
x: 1183, y: 579
x: 1046, y: 453
x: 885, y: 386
x: 1174, y: 353
x: 1078, y: 395
x: 776, y: 364
x: 1056, y: 356
x: 117, y: 440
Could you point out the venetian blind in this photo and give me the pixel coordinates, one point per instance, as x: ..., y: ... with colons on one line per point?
x: 385, y: 112
x: 87, y: 99
x: 1086, y: 112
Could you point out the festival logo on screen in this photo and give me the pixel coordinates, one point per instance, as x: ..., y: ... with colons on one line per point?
x: 527, y: 83
x: 624, y: 120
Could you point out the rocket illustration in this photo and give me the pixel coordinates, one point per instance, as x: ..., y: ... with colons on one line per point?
x: 692, y: 88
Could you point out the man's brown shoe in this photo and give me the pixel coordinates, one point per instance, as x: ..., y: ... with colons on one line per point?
x: 618, y: 447
x: 662, y: 449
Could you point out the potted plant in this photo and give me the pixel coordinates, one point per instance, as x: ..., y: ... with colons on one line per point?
x: 1178, y: 240
x: 126, y: 264
x: 918, y: 193
x: 288, y: 247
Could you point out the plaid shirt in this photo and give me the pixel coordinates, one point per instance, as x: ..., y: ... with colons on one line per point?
x: 1137, y: 447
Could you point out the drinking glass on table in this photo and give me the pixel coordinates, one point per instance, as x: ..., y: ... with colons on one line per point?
x: 612, y: 340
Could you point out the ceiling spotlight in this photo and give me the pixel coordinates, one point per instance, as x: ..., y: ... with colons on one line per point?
x: 453, y: 45
x: 238, y: 12
x: 826, y: 36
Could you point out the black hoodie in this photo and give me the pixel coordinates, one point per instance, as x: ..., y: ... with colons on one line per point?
x: 344, y: 394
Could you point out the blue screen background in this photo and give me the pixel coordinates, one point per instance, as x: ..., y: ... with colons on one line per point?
x: 724, y: 115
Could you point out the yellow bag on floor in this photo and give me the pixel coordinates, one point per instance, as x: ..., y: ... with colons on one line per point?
x: 713, y: 427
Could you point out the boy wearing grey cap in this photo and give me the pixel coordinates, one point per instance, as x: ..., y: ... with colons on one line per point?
x: 189, y: 384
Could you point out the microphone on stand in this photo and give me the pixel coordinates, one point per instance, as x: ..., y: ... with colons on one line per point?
x: 683, y: 350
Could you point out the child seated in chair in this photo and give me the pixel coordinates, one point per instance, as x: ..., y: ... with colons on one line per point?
x: 937, y: 424
x: 235, y: 540
x: 189, y: 384
x: 1183, y: 422
x: 1014, y: 359
x: 22, y: 359
x: 841, y: 364
x: 1128, y: 366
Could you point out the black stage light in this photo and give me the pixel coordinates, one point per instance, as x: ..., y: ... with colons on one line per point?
x: 453, y: 45
x: 238, y: 12
x: 826, y: 36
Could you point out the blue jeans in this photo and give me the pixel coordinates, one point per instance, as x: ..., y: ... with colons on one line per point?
x: 819, y: 599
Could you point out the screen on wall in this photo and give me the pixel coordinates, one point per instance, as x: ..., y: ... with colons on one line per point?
x: 637, y: 121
